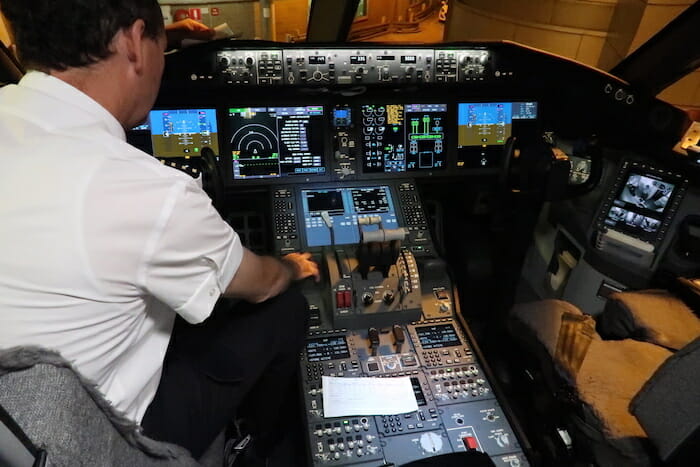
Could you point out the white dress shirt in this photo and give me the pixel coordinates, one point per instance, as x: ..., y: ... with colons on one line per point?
x: 100, y: 244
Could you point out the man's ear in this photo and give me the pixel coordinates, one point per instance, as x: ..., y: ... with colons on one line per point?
x: 130, y: 42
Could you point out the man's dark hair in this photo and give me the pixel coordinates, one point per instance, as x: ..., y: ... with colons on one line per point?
x: 60, y: 34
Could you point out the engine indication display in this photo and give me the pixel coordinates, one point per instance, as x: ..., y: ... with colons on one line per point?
x: 437, y: 336
x: 403, y: 138
x: 269, y: 142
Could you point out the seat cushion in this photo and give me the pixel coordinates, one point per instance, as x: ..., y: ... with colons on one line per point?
x: 653, y: 316
x: 611, y: 375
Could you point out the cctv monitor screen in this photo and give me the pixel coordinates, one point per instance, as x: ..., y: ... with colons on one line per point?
x: 183, y: 132
x: 640, y: 204
x: 272, y: 142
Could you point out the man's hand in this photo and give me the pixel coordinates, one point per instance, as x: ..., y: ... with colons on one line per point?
x: 187, y: 29
x: 302, y: 266
x: 262, y: 277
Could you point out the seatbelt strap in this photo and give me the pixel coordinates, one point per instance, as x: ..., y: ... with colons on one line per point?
x: 575, y: 335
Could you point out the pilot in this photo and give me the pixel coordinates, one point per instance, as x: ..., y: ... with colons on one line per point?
x: 116, y: 261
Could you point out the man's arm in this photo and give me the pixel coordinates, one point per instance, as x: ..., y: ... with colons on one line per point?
x: 260, y: 278
x: 187, y: 29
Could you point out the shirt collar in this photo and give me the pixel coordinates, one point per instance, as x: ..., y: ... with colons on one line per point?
x: 60, y: 90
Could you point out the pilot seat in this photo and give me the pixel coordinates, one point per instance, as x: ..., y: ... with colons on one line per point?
x: 620, y: 389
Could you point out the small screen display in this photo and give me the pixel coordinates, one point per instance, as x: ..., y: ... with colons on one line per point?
x: 330, y: 201
x: 342, y: 116
x: 317, y: 60
x: 344, y: 207
x: 403, y: 138
x: 327, y: 348
x: 370, y: 200
x: 270, y: 142
x: 640, y: 204
x: 438, y: 336
x: 484, y: 127
x: 183, y: 132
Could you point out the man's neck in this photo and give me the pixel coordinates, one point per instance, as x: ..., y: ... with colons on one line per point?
x: 101, y: 83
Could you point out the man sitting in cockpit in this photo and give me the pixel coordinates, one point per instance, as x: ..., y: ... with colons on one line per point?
x: 111, y: 258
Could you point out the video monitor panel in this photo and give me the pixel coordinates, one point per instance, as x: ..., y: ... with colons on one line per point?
x: 641, y: 204
x: 342, y: 207
x: 183, y: 132
x: 403, y: 137
x: 484, y: 127
x: 272, y: 142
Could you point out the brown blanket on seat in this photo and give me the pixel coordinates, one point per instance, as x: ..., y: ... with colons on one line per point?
x: 612, y: 373
x: 654, y: 316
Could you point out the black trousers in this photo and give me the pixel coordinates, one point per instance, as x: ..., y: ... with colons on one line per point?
x: 241, y: 361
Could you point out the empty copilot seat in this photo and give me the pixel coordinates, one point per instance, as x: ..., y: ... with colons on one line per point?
x: 594, y: 379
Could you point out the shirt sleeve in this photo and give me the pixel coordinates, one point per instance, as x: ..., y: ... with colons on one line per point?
x: 192, y: 254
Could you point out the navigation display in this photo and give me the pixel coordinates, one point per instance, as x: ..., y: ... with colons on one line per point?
x: 640, y: 204
x: 437, y: 336
x: 182, y: 132
x: 270, y: 142
x: 483, y: 129
x: 327, y: 348
x: 403, y: 138
x: 341, y: 208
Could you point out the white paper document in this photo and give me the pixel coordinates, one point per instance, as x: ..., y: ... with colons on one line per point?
x: 344, y: 397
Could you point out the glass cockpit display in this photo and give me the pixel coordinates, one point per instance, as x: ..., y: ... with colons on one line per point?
x: 437, y: 336
x: 270, y: 142
x: 322, y: 349
x: 331, y: 214
x: 403, y: 137
x: 484, y: 127
x: 640, y: 205
x: 183, y: 132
